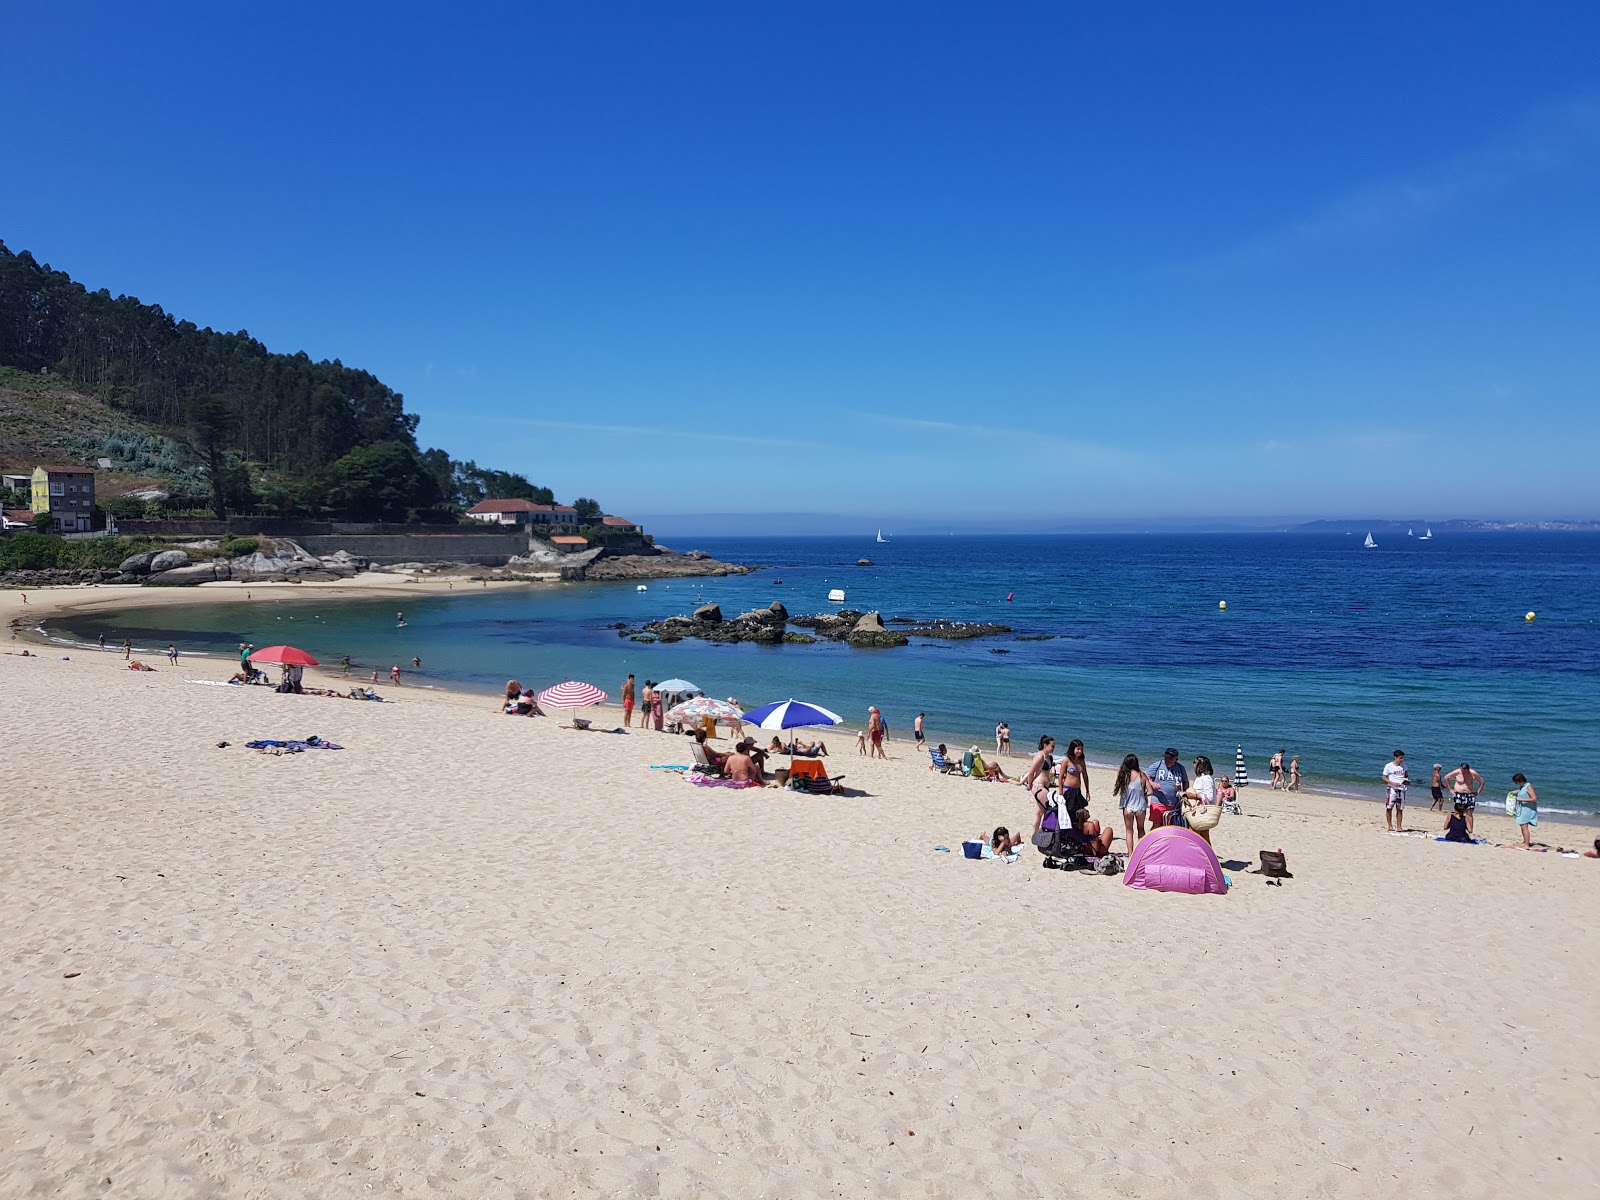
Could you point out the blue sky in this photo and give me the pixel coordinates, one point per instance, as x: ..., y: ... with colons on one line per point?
x: 905, y: 262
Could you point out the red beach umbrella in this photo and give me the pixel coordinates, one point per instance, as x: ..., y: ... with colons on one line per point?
x: 287, y: 656
x: 571, y: 694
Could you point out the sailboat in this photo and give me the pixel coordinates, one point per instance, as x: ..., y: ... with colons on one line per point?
x: 1369, y: 543
x: 881, y: 538
x: 1409, y: 532
x: 1428, y: 536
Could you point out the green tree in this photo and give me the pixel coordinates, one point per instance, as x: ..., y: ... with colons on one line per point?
x: 43, y: 522
x: 382, y: 482
x: 587, y: 510
x: 210, y: 419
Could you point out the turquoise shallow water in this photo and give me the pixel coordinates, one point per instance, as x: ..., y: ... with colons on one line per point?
x: 1338, y: 653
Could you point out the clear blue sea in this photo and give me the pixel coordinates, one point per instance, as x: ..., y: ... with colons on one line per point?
x: 1335, y: 652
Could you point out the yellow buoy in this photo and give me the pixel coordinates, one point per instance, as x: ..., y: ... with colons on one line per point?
x: 1223, y: 605
x: 1528, y: 617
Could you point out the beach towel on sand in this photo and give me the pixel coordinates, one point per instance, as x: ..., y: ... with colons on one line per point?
x: 314, y: 743
x: 700, y: 780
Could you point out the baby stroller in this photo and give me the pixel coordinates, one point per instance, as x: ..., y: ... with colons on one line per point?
x: 1062, y: 849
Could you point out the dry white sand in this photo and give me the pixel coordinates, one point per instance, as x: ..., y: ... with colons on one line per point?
x: 474, y: 955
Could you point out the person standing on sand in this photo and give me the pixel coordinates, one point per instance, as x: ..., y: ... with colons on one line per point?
x: 1395, y: 779
x: 1294, y: 774
x: 1527, y: 810
x: 1465, y: 784
x: 394, y: 674
x: 916, y: 731
x: 1276, y: 768
x: 1170, y: 781
x: 627, y: 702
x: 657, y: 709
x: 1132, y: 788
x: 103, y: 640
x: 1041, y: 766
x: 127, y: 648
x: 172, y: 653
x: 875, y: 732
x: 1002, y: 739
x: 1436, y: 787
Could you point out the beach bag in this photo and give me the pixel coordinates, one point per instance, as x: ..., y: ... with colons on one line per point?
x: 1511, y: 804
x: 1274, y: 865
x: 1108, y: 864
x: 1201, y: 817
x: 1052, y: 821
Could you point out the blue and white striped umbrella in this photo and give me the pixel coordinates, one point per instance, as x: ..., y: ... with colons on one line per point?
x: 790, y: 714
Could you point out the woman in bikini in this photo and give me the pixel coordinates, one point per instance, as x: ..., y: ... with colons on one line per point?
x: 1074, y: 778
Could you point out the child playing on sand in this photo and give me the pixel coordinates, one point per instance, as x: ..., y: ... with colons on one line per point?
x: 861, y: 741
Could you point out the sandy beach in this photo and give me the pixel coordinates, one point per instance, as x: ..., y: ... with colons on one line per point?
x: 475, y: 955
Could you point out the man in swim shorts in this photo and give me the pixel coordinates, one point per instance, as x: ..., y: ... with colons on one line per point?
x: 1465, y: 784
x: 1394, y: 782
x: 917, y: 729
x: 627, y: 703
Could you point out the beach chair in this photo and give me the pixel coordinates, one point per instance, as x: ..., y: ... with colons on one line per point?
x: 703, y: 761
x: 816, y: 785
x: 942, y: 764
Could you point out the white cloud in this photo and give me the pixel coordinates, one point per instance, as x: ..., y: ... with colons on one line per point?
x: 1544, y: 142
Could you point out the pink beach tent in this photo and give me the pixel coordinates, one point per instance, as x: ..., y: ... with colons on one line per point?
x: 1175, y: 859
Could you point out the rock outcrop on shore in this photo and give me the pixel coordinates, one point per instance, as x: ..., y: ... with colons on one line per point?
x: 665, y: 565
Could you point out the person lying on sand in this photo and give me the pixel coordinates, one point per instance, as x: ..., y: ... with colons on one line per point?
x: 799, y: 749
x: 1002, y: 841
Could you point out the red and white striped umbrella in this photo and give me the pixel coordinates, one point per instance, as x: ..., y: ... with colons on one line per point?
x: 571, y: 694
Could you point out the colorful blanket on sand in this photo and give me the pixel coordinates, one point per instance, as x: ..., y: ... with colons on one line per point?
x: 700, y: 780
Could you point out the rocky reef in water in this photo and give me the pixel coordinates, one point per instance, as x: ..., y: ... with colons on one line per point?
x: 770, y: 626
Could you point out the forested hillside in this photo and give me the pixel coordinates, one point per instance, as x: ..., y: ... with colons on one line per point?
x: 251, y: 429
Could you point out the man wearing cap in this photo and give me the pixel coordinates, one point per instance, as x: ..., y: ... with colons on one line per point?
x: 1171, y: 782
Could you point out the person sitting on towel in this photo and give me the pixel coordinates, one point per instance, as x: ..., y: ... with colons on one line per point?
x: 740, y: 767
x: 1455, y: 826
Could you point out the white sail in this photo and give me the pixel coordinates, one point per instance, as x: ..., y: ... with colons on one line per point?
x: 1428, y: 535
x: 881, y: 538
x: 1370, y: 544
x: 1409, y: 532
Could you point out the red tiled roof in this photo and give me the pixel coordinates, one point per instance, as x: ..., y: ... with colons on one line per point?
x: 570, y: 541
x: 17, y: 514
x: 614, y: 521
x: 499, y: 506
x: 564, y: 508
